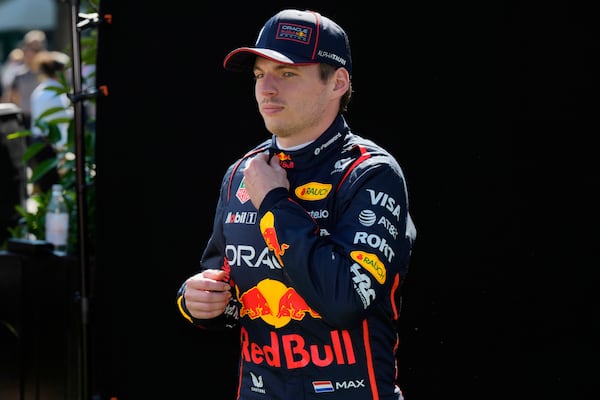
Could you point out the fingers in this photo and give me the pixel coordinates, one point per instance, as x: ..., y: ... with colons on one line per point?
x: 206, y: 295
x: 210, y: 280
x: 205, y: 304
x: 262, y: 175
x: 260, y: 157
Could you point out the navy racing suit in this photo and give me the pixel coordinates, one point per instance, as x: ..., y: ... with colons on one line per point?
x: 316, y: 272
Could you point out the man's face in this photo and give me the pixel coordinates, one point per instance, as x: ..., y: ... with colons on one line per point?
x: 293, y: 100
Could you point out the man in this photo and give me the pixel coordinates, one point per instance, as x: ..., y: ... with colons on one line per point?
x: 27, y: 78
x: 312, y: 235
x: 50, y: 67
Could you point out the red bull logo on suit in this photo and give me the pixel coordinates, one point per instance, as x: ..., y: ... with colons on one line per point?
x: 292, y: 351
x: 275, y: 303
x: 267, y: 228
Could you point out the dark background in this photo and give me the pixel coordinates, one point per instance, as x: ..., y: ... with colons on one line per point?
x: 488, y: 107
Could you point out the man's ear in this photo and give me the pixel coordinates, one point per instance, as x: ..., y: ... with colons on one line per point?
x: 342, y: 79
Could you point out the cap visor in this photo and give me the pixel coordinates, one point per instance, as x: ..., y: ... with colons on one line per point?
x: 242, y: 59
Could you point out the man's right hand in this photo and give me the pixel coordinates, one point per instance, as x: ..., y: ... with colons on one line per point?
x: 206, y: 294
x: 262, y: 175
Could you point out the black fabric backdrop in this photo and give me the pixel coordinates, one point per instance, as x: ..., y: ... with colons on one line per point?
x: 486, y: 106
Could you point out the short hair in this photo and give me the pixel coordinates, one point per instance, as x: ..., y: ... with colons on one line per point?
x: 35, y: 39
x: 327, y: 71
x: 50, y: 63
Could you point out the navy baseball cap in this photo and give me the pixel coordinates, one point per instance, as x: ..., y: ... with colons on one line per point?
x: 297, y: 38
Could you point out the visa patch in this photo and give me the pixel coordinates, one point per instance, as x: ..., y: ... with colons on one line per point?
x: 322, y: 386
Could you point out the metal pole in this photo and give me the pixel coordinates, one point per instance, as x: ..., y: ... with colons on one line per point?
x: 81, y: 197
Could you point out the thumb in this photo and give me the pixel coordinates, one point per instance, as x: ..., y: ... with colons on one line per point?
x: 274, y: 162
x: 216, y: 274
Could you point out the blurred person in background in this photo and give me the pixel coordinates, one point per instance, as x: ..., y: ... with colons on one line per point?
x: 10, y: 68
x: 26, y: 79
x: 50, y: 67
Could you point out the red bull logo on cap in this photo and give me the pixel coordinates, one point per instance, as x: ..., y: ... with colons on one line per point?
x: 275, y: 303
x: 294, y: 32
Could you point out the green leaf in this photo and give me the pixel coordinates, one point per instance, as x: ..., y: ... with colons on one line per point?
x: 32, y: 150
x: 54, y: 134
x: 18, y: 134
x: 51, y: 111
x: 43, y: 168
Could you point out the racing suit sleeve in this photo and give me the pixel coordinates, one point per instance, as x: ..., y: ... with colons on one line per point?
x: 358, y: 262
x: 213, y: 257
